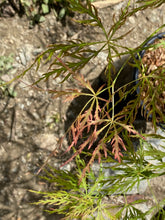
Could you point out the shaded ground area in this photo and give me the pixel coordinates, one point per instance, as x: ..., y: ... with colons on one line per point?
x: 32, y: 122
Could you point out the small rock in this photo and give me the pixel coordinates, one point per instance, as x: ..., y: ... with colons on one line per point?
x: 132, y: 20
x: 23, y: 58
x: 67, y: 167
x: 6, y: 77
x: 17, y: 59
x: 23, y: 160
x: 46, y: 141
x: 22, y: 106
x: 28, y: 103
x: 15, y: 169
x: 36, y: 116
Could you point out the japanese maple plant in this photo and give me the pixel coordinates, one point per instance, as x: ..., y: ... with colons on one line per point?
x: 107, y: 134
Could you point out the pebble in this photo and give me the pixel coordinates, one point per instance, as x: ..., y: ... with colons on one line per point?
x: 28, y: 103
x: 17, y: 59
x: 22, y: 106
x: 6, y: 77
x: 132, y: 20
x: 67, y: 167
x: 23, y: 160
x: 15, y: 169
x: 46, y: 141
x: 36, y: 116
x: 58, y: 80
x: 23, y: 58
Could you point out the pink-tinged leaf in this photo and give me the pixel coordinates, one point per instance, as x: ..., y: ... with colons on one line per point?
x: 116, y: 143
x: 70, y: 146
x: 131, y: 130
x: 82, y: 82
x: 87, y: 168
x: 89, y: 122
x: 104, y: 149
x: 99, y: 157
x: 100, y: 89
x: 70, y: 98
x: 93, y: 137
x: 107, y: 115
x: 118, y: 156
x: 73, y: 129
x: 77, y: 129
x: 96, y: 115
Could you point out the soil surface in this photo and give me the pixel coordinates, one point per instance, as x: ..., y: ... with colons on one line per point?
x: 32, y: 122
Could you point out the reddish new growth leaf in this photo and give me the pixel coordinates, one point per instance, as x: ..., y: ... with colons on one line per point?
x: 116, y: 143
x: 86, y: 123
x: 131, y: 130
x: 83, y: 123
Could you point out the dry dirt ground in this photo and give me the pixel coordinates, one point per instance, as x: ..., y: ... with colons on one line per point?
x: 32, y: 122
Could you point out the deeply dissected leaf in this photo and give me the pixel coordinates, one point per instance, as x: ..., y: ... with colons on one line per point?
x: 116, y: 143
x: 88, y: 9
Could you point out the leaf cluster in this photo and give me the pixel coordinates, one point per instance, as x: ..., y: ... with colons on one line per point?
x: 71, y: 198
x: 98, y: 120
x: 86, y: 200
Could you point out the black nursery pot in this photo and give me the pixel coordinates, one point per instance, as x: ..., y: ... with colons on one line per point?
x: 136, y: 70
